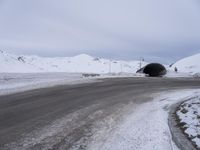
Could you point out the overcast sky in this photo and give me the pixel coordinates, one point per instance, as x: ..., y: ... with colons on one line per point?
x: 158, y: 30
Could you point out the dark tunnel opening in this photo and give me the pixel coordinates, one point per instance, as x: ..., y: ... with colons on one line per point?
x: 154, y: 70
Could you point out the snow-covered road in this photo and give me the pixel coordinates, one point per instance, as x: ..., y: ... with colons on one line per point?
x: 115, y: 114
x: 144, y: 127
x: 18, y: 82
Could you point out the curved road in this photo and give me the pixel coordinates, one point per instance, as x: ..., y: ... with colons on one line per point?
x: 59, y: 117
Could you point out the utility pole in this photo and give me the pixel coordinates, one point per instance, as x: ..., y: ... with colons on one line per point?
x: 109, y: 66
x: 140, y: 64
x: 121, y: 67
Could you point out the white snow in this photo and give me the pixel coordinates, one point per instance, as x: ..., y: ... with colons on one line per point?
x: 143, y: 127
x: 18, y: 82
x: 189, y: 65
x: 189, y: 115
x: 83, y: 63
x: 129, y: 127
x: 172, y: 74
x: 24, y: 72
x: 10, y: 63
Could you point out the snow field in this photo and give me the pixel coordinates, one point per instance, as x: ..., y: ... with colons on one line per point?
x: 10, y: 63
x: 83, y: 63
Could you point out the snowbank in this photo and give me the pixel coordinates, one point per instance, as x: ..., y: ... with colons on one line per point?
x: 189, y: 119
x: 143, y: 127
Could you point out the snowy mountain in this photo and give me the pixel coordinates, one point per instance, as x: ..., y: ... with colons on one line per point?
x: 11, y: 63
x: 189, y: 64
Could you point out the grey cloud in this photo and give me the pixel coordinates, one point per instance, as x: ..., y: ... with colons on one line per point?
x: 158, y: 30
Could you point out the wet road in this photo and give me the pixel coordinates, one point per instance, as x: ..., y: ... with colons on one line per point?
x: 58, y: 117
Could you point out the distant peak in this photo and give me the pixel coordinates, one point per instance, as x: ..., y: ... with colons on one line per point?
x: 86, y: 56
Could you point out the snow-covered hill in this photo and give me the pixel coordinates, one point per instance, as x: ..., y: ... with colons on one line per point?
x: 11, y: 63
x: 189, y: 65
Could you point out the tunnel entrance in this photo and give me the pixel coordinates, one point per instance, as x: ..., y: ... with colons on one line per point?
x: 154, y: 70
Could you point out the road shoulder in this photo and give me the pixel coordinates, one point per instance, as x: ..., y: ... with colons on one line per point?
x: 177, y: 134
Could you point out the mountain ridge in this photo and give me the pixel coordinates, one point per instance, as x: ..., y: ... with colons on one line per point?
x: 82, y: 63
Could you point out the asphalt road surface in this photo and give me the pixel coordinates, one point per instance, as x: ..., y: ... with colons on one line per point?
x: 59, y: 117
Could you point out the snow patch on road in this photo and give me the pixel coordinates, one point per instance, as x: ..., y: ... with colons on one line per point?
x: 144, y: 127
